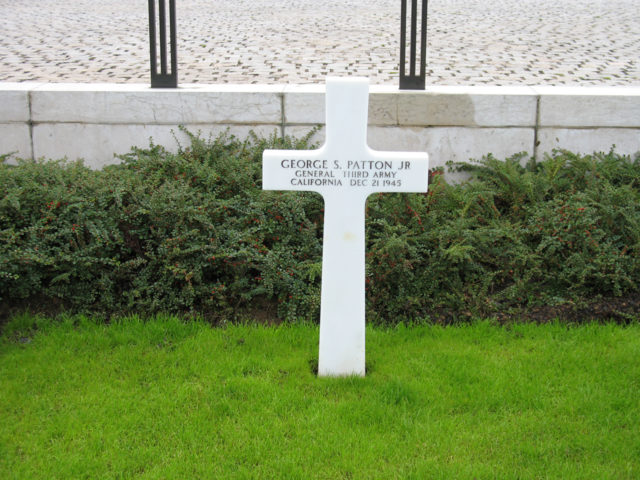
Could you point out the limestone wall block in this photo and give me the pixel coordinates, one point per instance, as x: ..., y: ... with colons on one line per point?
x: 98, y: 144
x: 15, y: 139
x: 589, y: 140
x: 589, y: 107
x: 139, y: 104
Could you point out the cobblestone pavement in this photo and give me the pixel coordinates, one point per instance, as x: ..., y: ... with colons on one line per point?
x: 470, y: 42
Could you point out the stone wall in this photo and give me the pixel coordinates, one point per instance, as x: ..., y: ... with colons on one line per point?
x: 94, y: 121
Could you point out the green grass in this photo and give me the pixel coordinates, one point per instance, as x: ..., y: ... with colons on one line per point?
x: 166, y: 399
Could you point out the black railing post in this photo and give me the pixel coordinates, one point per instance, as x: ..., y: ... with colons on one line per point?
x: 413, y: 81
x: 165, y: 78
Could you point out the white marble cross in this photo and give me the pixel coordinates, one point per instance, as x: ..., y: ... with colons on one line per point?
x: 345, y: 171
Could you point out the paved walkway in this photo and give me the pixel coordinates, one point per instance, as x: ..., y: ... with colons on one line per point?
x: 471, y: 42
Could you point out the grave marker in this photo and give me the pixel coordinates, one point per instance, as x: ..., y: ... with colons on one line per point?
x: 345, y: 171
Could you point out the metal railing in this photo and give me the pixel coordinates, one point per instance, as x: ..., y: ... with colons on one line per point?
x: 167, y: 75
x: 165, y: 78
x: 413, y: 80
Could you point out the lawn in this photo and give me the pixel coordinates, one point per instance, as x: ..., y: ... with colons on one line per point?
x: 167, y: 399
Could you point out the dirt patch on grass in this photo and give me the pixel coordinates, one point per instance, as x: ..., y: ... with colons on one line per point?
x: 624, y: 309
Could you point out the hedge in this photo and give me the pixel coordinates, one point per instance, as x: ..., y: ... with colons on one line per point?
x: 193, y: 233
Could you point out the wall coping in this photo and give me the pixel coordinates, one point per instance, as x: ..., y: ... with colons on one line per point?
x: 319, y: 88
